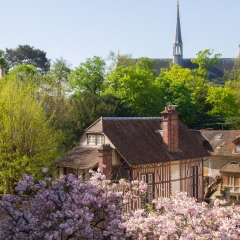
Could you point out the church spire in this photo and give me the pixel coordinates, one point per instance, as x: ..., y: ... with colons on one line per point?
x: 178, y: 44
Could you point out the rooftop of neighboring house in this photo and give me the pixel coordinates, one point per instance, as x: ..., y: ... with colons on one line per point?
x: 218, y: 142
x: 232, y: 167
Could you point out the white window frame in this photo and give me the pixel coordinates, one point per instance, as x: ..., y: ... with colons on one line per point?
x: 99, y: 140
x: 91, y: 139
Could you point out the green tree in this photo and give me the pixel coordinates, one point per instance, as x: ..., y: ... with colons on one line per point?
x: 23, y: 71
x: 89, y: 76
x: 58, y: 76
x: 175, y: 92
x: 223, y: 101
x: 28, y: 141
x: 135, y: 85
x: 3, y: 62
x: 205, y: 59
x: 119, y: 60
x: 88, y: 107
x: 28, y: 55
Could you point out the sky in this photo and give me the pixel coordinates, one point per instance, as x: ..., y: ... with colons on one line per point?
x: 80, y: 29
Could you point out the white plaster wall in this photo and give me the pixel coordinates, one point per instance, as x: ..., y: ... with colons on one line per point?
x: 175, y: 187
x: 175, y: 171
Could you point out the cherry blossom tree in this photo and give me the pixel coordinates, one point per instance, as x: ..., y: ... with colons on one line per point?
x: 71, y: 208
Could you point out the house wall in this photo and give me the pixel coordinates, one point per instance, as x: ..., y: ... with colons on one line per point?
x: 173, y: 176
x: 186, y: 178
x: 215, y: 163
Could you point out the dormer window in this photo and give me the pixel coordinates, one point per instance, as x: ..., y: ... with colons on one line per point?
x: 94, y: 139
x: 238, y: 147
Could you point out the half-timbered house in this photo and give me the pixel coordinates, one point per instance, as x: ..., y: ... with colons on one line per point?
x: 161, y: 151
x: 224, y: 159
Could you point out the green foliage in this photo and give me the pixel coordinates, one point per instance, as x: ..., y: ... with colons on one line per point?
x: 119, y: 60
x: 135, y: 85
x: 28, y: 55
x: 3, y: 62
x: 205, y: 60
x: 204, y: 120
x: 23, y: 71
x: 223, y: 101
x: 57, y: 77
x: 89, y: 76
x: 27, y: 140
x: 60, y: 111
x: 234, y: 74
x: 88, y: 107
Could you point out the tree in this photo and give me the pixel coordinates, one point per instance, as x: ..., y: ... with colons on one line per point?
x: 71, y: 208
x: 119, y: 60
x: 3, y: 62
x: 58, y: 76
x: 27, y: 140
x: 135, y: 85
x: 223, y: 101
x: 28, y: 55
x: 88, y: 107
x: 205, y: 60
x: 174, y: 92
x: 23, y: 71
x: 89, y: 76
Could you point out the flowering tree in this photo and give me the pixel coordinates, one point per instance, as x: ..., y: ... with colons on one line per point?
x: 71, y: 208
x: 181, y: 217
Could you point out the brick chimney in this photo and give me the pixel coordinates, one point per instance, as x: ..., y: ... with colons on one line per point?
x: 105, y: 158
x: 170, y: 127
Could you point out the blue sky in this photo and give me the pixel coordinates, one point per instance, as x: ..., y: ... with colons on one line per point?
x: 80, y: 29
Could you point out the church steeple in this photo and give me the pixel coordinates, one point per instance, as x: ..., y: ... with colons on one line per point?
x: 178, y: 44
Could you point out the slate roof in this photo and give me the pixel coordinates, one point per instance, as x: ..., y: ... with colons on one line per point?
x: 215, y: 72
x: 222, y: 146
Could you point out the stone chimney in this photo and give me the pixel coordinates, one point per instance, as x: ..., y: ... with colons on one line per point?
x: 170, y: 127
x: 105, y: 158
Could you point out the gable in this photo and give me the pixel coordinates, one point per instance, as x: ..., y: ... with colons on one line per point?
x: 96, y: 126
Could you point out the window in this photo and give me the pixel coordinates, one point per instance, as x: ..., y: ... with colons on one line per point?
x: 91, y: 139
x: 218, y: 136
x: 147, y: 199
x: 194, y: 182
x: 99, y: 139
x: 95, y: 139
x: 238, y: 147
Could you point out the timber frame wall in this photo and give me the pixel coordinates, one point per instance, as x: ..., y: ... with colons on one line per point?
x: 172, y: 176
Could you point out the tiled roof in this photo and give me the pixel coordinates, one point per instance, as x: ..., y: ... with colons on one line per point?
x: 222, y: 146
x: 138, y: 141
x: 79, y: 157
